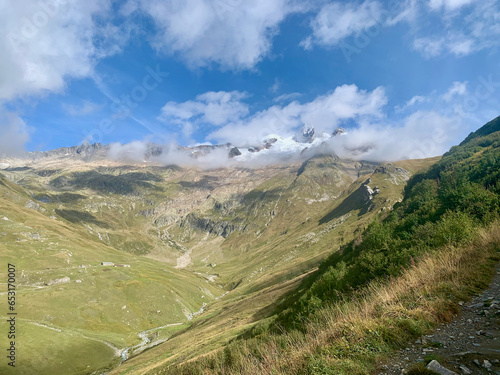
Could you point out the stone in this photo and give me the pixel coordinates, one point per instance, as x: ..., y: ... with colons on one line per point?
x: 436, y: 367
x: 487, y: 364
x: 465, y: 370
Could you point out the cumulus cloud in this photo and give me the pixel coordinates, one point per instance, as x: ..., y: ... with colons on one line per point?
x: 426, y: 126
x: 13, y: 134
x: 337, y: 21
x: 325, y: 112
x: 212, y: 108
x: 466, y: 26
x: 45, y: 42
x: 420, y: 135
x: 235, y: 34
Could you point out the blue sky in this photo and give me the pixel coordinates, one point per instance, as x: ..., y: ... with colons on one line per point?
x: 412, y: 77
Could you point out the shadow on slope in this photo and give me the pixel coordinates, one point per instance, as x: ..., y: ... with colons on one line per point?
x: 78, y: 217
x: 106, y: 183
x: 355, y: 201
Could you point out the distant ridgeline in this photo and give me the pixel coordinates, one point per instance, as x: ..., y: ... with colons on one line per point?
x: 443, y: 205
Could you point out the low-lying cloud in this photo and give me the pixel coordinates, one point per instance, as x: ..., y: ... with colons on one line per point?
x: 13, y: 134
x: 425, y: 126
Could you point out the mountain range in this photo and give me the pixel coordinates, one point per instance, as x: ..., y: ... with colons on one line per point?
x: 116, y: 254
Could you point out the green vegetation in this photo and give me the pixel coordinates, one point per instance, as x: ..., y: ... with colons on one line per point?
x: 403, y: 274
x: 443, y: 206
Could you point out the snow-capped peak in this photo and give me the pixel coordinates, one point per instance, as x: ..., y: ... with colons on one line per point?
x: 305, y: 135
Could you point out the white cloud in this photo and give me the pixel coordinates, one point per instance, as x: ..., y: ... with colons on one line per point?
x: 236, y: 34
x: 465, y: 27
x: 428, y: 47
x: 13, y: 134
x: 276, y: 86
x: 461, y: 47
x: 45, y: 42
x: 287, y: 97
x: 417, y: 99
x: 457, y: 89
x: 83, y: 109
x: 464, y: 30
x: 215, y: 108
x: 449, y: 4
x: 337, y: 21
x: 422, y: 134
x: 435, y: 123
x: 133, y: 151
x: 324, y: 113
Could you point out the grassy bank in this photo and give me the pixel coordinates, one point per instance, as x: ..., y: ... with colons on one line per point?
x: 349, y: 336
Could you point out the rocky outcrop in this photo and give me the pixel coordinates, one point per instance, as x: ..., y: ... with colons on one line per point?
x: 367, y: 193
x: 62, y: 280
x: 83, y: 152
x: 396, y: 175
x: 234, y: 152
x: 268, y: 143
x: 391, y: 168
x: 218, y: 228
x: 306, y: 135
x: 339, y: 131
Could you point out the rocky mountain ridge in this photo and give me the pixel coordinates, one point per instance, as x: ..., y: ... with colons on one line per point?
x: 304, y: 144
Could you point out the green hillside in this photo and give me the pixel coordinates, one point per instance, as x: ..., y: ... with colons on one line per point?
x: 405, y: 272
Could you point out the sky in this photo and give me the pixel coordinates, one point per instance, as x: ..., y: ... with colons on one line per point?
x: 411, y: 78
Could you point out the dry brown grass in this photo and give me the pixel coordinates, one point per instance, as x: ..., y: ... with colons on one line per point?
x: 346, y: 337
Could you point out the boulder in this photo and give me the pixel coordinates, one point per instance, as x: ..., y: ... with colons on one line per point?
x: 436, y: 367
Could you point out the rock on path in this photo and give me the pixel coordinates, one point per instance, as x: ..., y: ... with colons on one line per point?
x: 470, y: 344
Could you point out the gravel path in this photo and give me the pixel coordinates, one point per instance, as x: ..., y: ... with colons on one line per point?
x: 470, y: 344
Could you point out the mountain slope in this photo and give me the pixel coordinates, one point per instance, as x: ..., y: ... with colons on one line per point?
x: 206, y: 248
x: 432, y: 246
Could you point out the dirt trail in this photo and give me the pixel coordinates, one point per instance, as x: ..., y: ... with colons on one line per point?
x: 470, y: 344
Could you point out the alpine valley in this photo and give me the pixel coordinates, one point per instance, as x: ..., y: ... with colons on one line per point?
x: 159, y: 259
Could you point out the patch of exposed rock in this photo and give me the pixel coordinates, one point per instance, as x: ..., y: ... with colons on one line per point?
x: 219, y: 228
x: 396, y: 175
x: 234, y: 152
x: 306, y: 135
x: 339, y: 131
x: 63, y: 280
